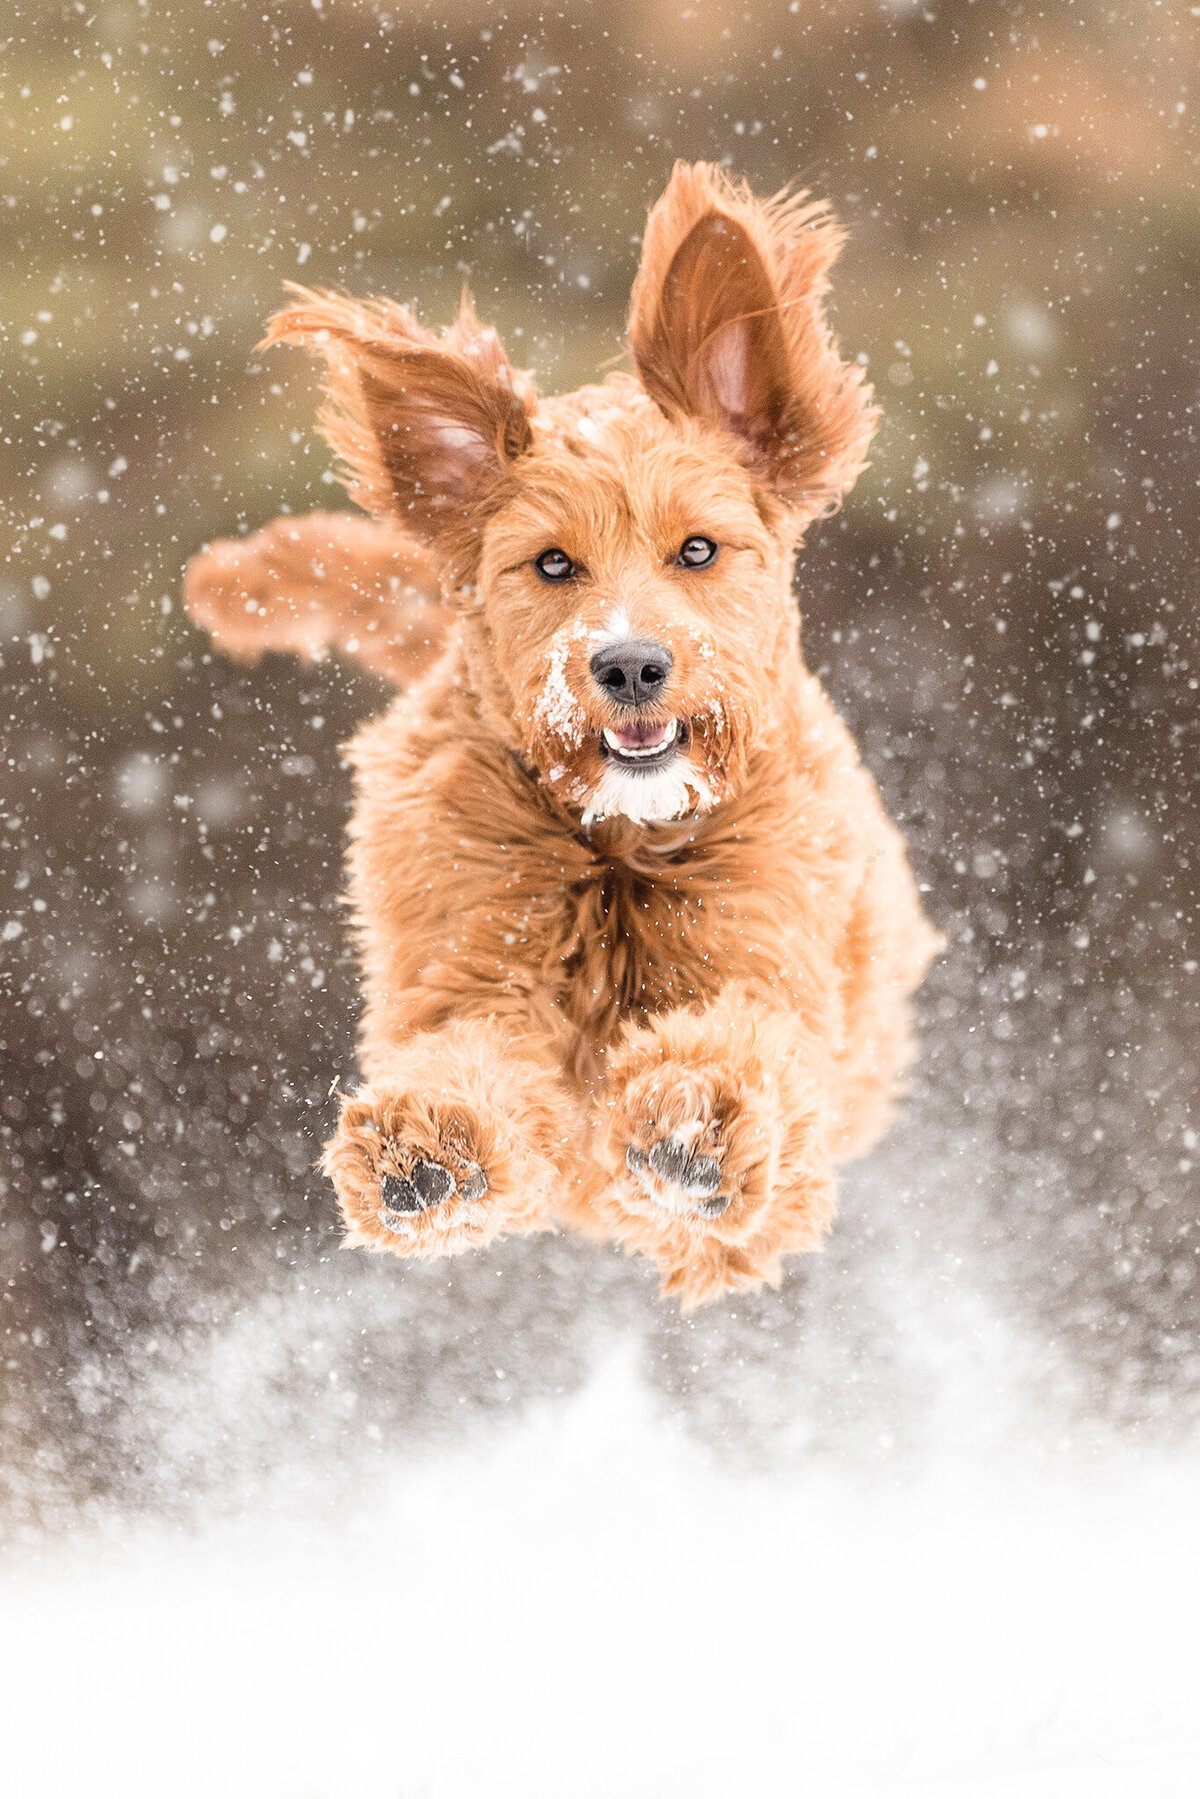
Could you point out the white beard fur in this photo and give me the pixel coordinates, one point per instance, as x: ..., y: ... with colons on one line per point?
x: 650, y: 799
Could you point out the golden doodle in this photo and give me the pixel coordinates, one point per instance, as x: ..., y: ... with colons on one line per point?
x: 637, y: 938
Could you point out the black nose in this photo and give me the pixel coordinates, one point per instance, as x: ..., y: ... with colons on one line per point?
x: 632, y: 672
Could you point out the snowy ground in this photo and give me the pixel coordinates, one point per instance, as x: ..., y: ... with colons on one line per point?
x: 591, y: 1606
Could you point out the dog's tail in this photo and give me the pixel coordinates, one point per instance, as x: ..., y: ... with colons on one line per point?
x: 326, y: 581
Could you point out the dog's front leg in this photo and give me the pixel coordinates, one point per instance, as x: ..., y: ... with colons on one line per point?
x: 459, y: 1137
x: 720, y: 1128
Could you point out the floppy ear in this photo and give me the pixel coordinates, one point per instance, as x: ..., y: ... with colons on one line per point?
x: 425, y: 427
x: 726, y: 324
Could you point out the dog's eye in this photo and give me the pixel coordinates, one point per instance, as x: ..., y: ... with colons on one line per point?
x: 554, y: 565
x: 697, y: 552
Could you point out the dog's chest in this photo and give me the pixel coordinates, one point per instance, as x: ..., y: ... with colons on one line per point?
x: 632, y: 945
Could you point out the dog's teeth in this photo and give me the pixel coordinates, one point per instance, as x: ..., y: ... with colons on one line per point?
x: 647, y: 749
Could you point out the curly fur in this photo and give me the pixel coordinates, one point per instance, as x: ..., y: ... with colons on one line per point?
x: 325, y: 581
x: 655, y: 1008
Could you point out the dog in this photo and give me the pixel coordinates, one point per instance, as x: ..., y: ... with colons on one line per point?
x: 638, y: 939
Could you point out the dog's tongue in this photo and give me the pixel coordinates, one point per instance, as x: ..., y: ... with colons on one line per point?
x: 638, y: 736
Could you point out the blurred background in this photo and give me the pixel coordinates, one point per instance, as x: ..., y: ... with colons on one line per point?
x: 1005, y: 611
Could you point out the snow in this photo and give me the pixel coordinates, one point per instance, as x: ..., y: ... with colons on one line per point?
x: 592, y: 1606
x: 557, y: 708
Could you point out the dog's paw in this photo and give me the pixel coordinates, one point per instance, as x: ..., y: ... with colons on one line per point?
x: 693, y: 1151
x: 694, y: 1147
x: 409, y: 1175
x: 717, y: 1153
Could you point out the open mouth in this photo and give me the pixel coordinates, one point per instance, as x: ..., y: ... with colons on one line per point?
x: 644, y: 748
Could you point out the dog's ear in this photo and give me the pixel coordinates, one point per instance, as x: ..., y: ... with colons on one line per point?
x: 727, y: 325
x: 426, y: 428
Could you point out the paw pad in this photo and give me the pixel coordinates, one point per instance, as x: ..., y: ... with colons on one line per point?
x: 695, y: 1177
x: 475, y: 1184
x: 428, y: 1185
x: 712, y: 1208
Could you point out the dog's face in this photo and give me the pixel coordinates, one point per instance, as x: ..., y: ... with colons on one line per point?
x: 636, y: 608
x: 625, y: 551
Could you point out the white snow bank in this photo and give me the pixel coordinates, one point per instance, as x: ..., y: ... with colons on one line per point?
x: 590, y: 1608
